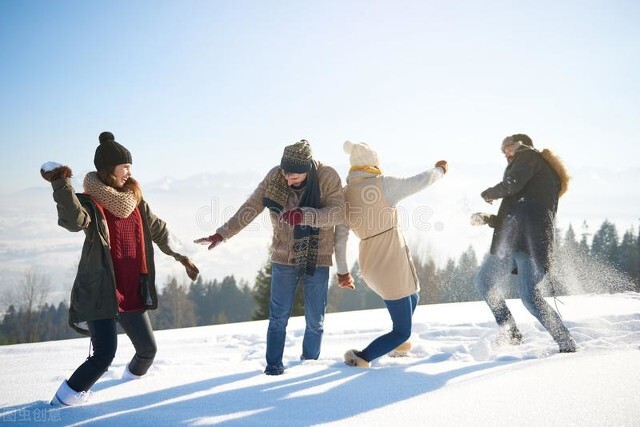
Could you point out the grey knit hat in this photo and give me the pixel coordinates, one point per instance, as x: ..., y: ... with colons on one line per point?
x: 109, y: 153
x: 296, y: 158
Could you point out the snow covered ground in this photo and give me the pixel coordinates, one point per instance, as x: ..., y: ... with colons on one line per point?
x: 454, y: 377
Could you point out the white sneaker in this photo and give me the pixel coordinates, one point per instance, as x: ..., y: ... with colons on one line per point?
x: 66, y: 396
x: 127, y: 375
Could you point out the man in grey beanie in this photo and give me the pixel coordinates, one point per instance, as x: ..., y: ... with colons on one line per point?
x: 305, y: 202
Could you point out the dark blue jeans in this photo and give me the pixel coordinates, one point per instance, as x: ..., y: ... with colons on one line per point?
x: 401, y: 312
x: 104, y: 340
x: 284, y: 282
x: 530, y: 275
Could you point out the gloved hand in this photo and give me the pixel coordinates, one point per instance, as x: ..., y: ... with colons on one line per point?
x: 192, y: 270
x: 442, y: 164
x: 213, y: 240
x: 346, y: 281
x: 292, y: 217
x: 51, y: 171
x: 482, y: 218
x: 486, y: 197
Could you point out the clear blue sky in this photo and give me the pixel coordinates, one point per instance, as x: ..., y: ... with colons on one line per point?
x: 205, y: 86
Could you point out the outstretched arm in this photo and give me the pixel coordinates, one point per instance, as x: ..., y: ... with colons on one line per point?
x: 396, y: 189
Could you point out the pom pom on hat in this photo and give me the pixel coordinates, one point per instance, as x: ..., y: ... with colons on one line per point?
x: 106, y: 136
x: 109, y: 153
x: 360, y: 154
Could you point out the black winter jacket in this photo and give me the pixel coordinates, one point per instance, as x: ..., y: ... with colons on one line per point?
x: 525, y: 221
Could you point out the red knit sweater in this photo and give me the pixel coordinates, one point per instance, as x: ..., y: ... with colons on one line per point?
x: 126, y: 252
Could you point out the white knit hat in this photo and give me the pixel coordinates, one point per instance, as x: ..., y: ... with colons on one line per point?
x: 360, y: 154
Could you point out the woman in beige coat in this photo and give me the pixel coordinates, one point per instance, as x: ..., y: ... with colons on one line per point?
x: 384, y: 259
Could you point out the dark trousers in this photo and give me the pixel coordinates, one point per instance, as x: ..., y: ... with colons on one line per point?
x: 104, y: 339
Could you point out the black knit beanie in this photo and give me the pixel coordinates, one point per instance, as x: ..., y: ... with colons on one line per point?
x: 297, y: 157
x: 109, y: 153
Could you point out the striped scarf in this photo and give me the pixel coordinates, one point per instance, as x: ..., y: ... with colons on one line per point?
x: 305, y: 237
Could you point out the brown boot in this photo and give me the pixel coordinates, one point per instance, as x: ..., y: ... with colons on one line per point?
x: 402, y: 350
x: 352, y: 358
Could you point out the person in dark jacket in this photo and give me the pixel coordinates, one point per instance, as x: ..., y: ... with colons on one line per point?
x: 115, y: 282
x: 523, y: 236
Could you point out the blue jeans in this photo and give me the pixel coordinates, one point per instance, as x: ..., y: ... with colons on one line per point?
x: 284, y: 282
x: 530, y: 275
x: 401, y: 312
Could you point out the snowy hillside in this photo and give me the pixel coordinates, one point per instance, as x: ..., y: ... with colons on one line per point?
x: 455, y: 377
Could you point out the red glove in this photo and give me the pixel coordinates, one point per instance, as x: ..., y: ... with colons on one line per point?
x: 346, y: 281
x: 213, y: 240
x: 442, y: 164
x: 292, y: 217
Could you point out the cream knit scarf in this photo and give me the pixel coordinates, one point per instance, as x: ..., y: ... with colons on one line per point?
x: 121, y: 204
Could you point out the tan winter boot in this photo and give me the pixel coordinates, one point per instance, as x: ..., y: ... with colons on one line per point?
x: 402, y: 350
x: 351, y: 358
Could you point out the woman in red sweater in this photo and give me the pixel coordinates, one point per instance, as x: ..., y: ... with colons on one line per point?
x: 115, y: 282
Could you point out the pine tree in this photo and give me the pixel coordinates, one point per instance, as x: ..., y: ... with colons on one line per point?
x: 62, y: 322
x: 446, y: 276
x: 197, y: 294
x: 231, y: 299
x: 10, y: 326
x: 584, y: 244
x: 362, y: 298
x: 247, y: 302
x: 176, y: 310
x: 605, y: 244
x: 464, y: 275
x: 262, y: 292
x: 628, y: 255
x: 570, y: 244
x: 430, y: 292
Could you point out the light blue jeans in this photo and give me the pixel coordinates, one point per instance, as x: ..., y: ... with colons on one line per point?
x: 530, y: 275
x: 401, y: 312
x: 284, y: 282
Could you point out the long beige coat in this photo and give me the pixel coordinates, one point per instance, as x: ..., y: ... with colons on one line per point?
x: 384, y: 259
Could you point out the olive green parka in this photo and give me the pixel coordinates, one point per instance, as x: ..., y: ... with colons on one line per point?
x: 93, y: 296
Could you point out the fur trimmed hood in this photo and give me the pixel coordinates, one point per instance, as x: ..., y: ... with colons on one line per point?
x: 558, y: 166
